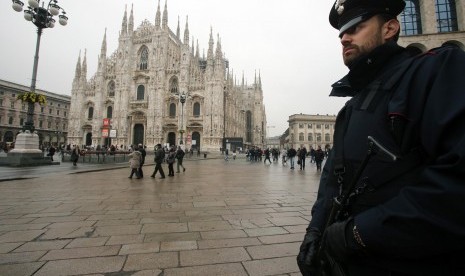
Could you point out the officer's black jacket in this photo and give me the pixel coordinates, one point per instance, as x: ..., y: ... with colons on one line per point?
x: 413, y: 224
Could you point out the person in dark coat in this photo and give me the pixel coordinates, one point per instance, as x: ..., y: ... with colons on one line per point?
x: 51, y: 152
x: 159, y: 158
x: 405, y: 213
x: 170, y: 159
x: 143, y: 153
x: 179, y: 157
x: 319, y: 157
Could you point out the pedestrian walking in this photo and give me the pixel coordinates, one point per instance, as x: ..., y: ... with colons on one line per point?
x: 134, y: 163
x: 291, y: 153
x: 159, y: 158
x: 179, y: 157
x: 396, y: 170
x: 170, y: 159
x: 143, y: 153
x: 267, y: 155
x: 75, y: 153
x: 319, y: 157
x: 303, y: 156
x: 51, y: 152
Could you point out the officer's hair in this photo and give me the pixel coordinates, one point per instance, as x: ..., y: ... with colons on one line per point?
x: 384, y: 17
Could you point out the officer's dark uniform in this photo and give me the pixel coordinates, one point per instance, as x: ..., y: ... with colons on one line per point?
x: 410, y: 214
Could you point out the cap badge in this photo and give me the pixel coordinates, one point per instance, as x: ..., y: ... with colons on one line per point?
x: 339, y: 6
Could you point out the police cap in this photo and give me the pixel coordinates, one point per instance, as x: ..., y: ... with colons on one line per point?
x: 345, y: 14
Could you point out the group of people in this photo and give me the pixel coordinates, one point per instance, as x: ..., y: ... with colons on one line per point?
x: 171, y: 156
x: 301, y: 154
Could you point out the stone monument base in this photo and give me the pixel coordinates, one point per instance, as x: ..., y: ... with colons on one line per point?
x: 26, y: 152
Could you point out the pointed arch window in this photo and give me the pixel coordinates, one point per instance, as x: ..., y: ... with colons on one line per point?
x: 446, y: 16
x: 111, y: 89
x: 90, y: 113
x: 411, y: 18
x: 174, y: 85
x: 196, y: 110
x: 140, y: 93
x: 144, y: 59
x: 110, y: 112
x: 172, y: 110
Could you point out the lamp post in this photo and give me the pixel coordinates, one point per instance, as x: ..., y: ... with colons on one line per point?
x: 182, y: 98
x: 43, y: 18
x: 27, y: 152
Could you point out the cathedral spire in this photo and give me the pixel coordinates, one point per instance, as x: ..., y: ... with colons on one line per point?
x: 192, y: 48
x: 186, y: 31
x: 84, y: 65
x: 210, y: 45
x: 131, y: 20
x: 78, y: 67
x: 103, y: 50
x: 178, y: 30
x: 165, y: 16
x: 157, y: 16
x: 124, y: 25
x: 197, y: 52
x: 219, y: 53
x: 259, y: 79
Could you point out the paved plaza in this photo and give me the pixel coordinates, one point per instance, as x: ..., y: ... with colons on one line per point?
x: 217, y: 218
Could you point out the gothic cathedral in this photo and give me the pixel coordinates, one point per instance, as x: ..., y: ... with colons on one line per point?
x: 155, y: 88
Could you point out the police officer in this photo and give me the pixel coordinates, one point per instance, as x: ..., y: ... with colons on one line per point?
x: 403, y: 217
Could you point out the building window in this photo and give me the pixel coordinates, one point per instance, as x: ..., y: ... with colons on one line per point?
x: 21, y: 121
x: 1, y: 102
x: 301, y: 136
x: 172, y: 110
x: 174, y: 85
x: 301, y: 125
x: 49, y: 125
x: 109, y: 112
x: 310, y: 137
x: 58, y: 112
x: 65, y: 114
x: 318, y: 137
x: 327, y: 137
x: 140, y: 92
x: 12, y: 105
x: 111, y: 89
x: 410, y: 18
x: 144, y: 58
x: 90, y: 113
x: 41, y: 110
x: 23, y: 106
x: 41, y: 124
x: 50, y: 111
x: 10, y: 120
x: 446, y: 16
x: 326, y: 126
x: 318, y: 126
x: 64, y: 126
x: 310, y: 126
x: 196, y: 110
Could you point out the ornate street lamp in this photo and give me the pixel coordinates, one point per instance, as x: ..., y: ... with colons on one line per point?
x: 26, y: 150
x: 182, y: 98
x: 43, y: 18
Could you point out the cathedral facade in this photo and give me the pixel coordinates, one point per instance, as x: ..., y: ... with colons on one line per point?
x: 157, y: 89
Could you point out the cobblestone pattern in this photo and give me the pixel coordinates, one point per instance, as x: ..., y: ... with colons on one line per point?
x: 217, y: 218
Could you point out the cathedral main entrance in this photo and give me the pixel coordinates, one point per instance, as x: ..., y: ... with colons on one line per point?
x: 138, y: 134
x: 196, y: 138
x: 172, y: 138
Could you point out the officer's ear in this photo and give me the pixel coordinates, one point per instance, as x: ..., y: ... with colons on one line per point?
x: 391, y: 29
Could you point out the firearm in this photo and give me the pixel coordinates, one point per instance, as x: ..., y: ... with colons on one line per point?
x: 339, y: 207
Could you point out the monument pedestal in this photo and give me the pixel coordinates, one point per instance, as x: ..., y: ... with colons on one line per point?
x: 26, y: 152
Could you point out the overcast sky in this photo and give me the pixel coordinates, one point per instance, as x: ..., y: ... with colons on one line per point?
x: 289, y: 42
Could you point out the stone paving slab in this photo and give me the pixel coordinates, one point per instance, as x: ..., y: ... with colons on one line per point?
x: 218, y: 218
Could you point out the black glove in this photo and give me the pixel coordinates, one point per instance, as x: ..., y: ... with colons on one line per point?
x: 340, y: 243
x: 306, y: 259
